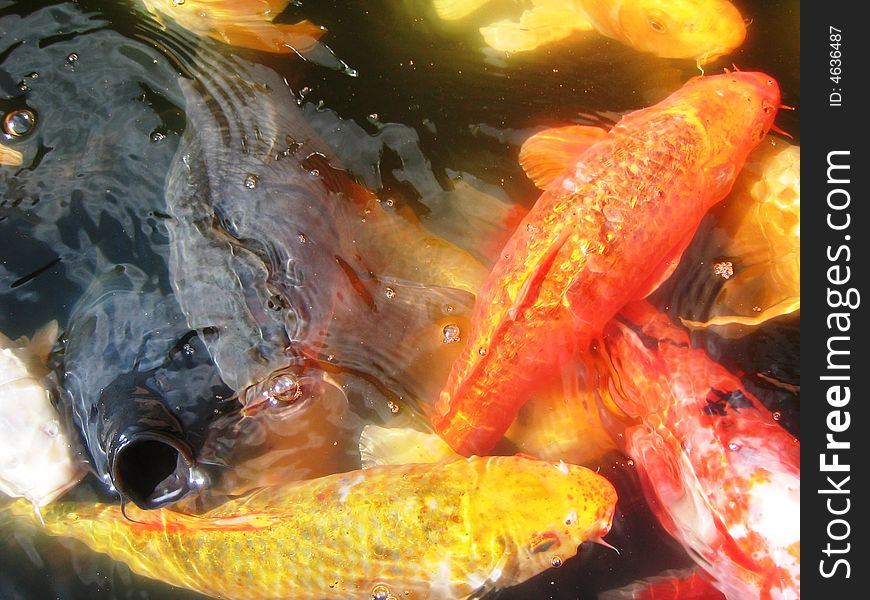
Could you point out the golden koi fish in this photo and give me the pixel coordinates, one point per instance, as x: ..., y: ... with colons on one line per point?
x: 703, y: 30
x: 761, y: 257
x: 410, y: 531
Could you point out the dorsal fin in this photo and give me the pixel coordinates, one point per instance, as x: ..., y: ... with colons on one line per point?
x: 552, y: 153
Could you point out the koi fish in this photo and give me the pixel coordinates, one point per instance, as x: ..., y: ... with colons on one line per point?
x: 721, y: 475
x: 245, y: 23
x: 412, y: 531
x: 703, y: 31
x: 617, y: 211
x: 36, y: 459
x: 278, y: 259
x: 760, y: 256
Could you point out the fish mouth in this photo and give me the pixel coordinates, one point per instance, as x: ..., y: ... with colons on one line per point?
x: 152, y: 470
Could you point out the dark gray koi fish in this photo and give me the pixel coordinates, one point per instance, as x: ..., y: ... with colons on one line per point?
x: 277, y: 255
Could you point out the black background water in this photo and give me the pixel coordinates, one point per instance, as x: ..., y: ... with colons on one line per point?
x: 109, y: 120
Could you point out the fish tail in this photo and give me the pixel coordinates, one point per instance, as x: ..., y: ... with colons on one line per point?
x: 280, y: 38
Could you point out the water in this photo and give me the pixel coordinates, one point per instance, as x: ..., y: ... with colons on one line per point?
x: 109, y: 115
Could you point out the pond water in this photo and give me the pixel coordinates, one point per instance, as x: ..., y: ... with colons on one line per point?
x: 101, y: 80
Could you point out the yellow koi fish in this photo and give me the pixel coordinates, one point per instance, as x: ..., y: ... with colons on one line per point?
x: 409, y: 531
x: 703, y: 30
x: 760, y: 258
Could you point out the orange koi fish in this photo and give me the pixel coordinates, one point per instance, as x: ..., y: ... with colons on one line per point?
x: 245, y: 23
x: 720, y: 474
x: 408, y: 531
x: 617, y: 211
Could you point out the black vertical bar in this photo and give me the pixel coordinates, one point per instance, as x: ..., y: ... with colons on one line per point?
x: 834, y: 173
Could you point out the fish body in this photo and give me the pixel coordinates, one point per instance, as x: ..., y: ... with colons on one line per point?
x: 618, y: 209
x: 702, y: 30
x: 721, y: 474
x: 245, y: 23
x: 36, y: 459
x: 413, y: 531
x: 278, y: 258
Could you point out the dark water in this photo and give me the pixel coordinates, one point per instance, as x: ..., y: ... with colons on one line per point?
x: 109, y: 117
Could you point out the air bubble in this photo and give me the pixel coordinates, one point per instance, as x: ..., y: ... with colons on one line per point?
x: 251, y: 181
x: 450, y: 333
x: 71, y: 57
x: 394, y: 408
x: 483, y: 351
x: 19, y: 123
x: 380, y: 592
x: 51, y: 429
x: 390, y: 293
x: 557, y: 561
x: 777, y: 416
x: 284, y: 389
x: 157, y: 136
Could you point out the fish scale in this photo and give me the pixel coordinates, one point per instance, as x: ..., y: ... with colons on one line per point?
x: 421, y: 530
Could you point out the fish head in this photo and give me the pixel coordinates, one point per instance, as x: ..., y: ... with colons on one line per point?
x: 549, y: 509
x: 143, y: 450
x: 732, y: 112
x: 702, y: 30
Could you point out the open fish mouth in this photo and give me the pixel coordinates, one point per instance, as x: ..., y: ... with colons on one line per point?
x: 152, y: 470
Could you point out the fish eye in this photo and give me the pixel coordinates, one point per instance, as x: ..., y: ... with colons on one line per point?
x: 542, y: 542
x: 657, y: 26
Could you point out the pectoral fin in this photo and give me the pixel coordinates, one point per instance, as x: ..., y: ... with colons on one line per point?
x: 554, y: 153
x: 264, y: 35
x: 540, y: 25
